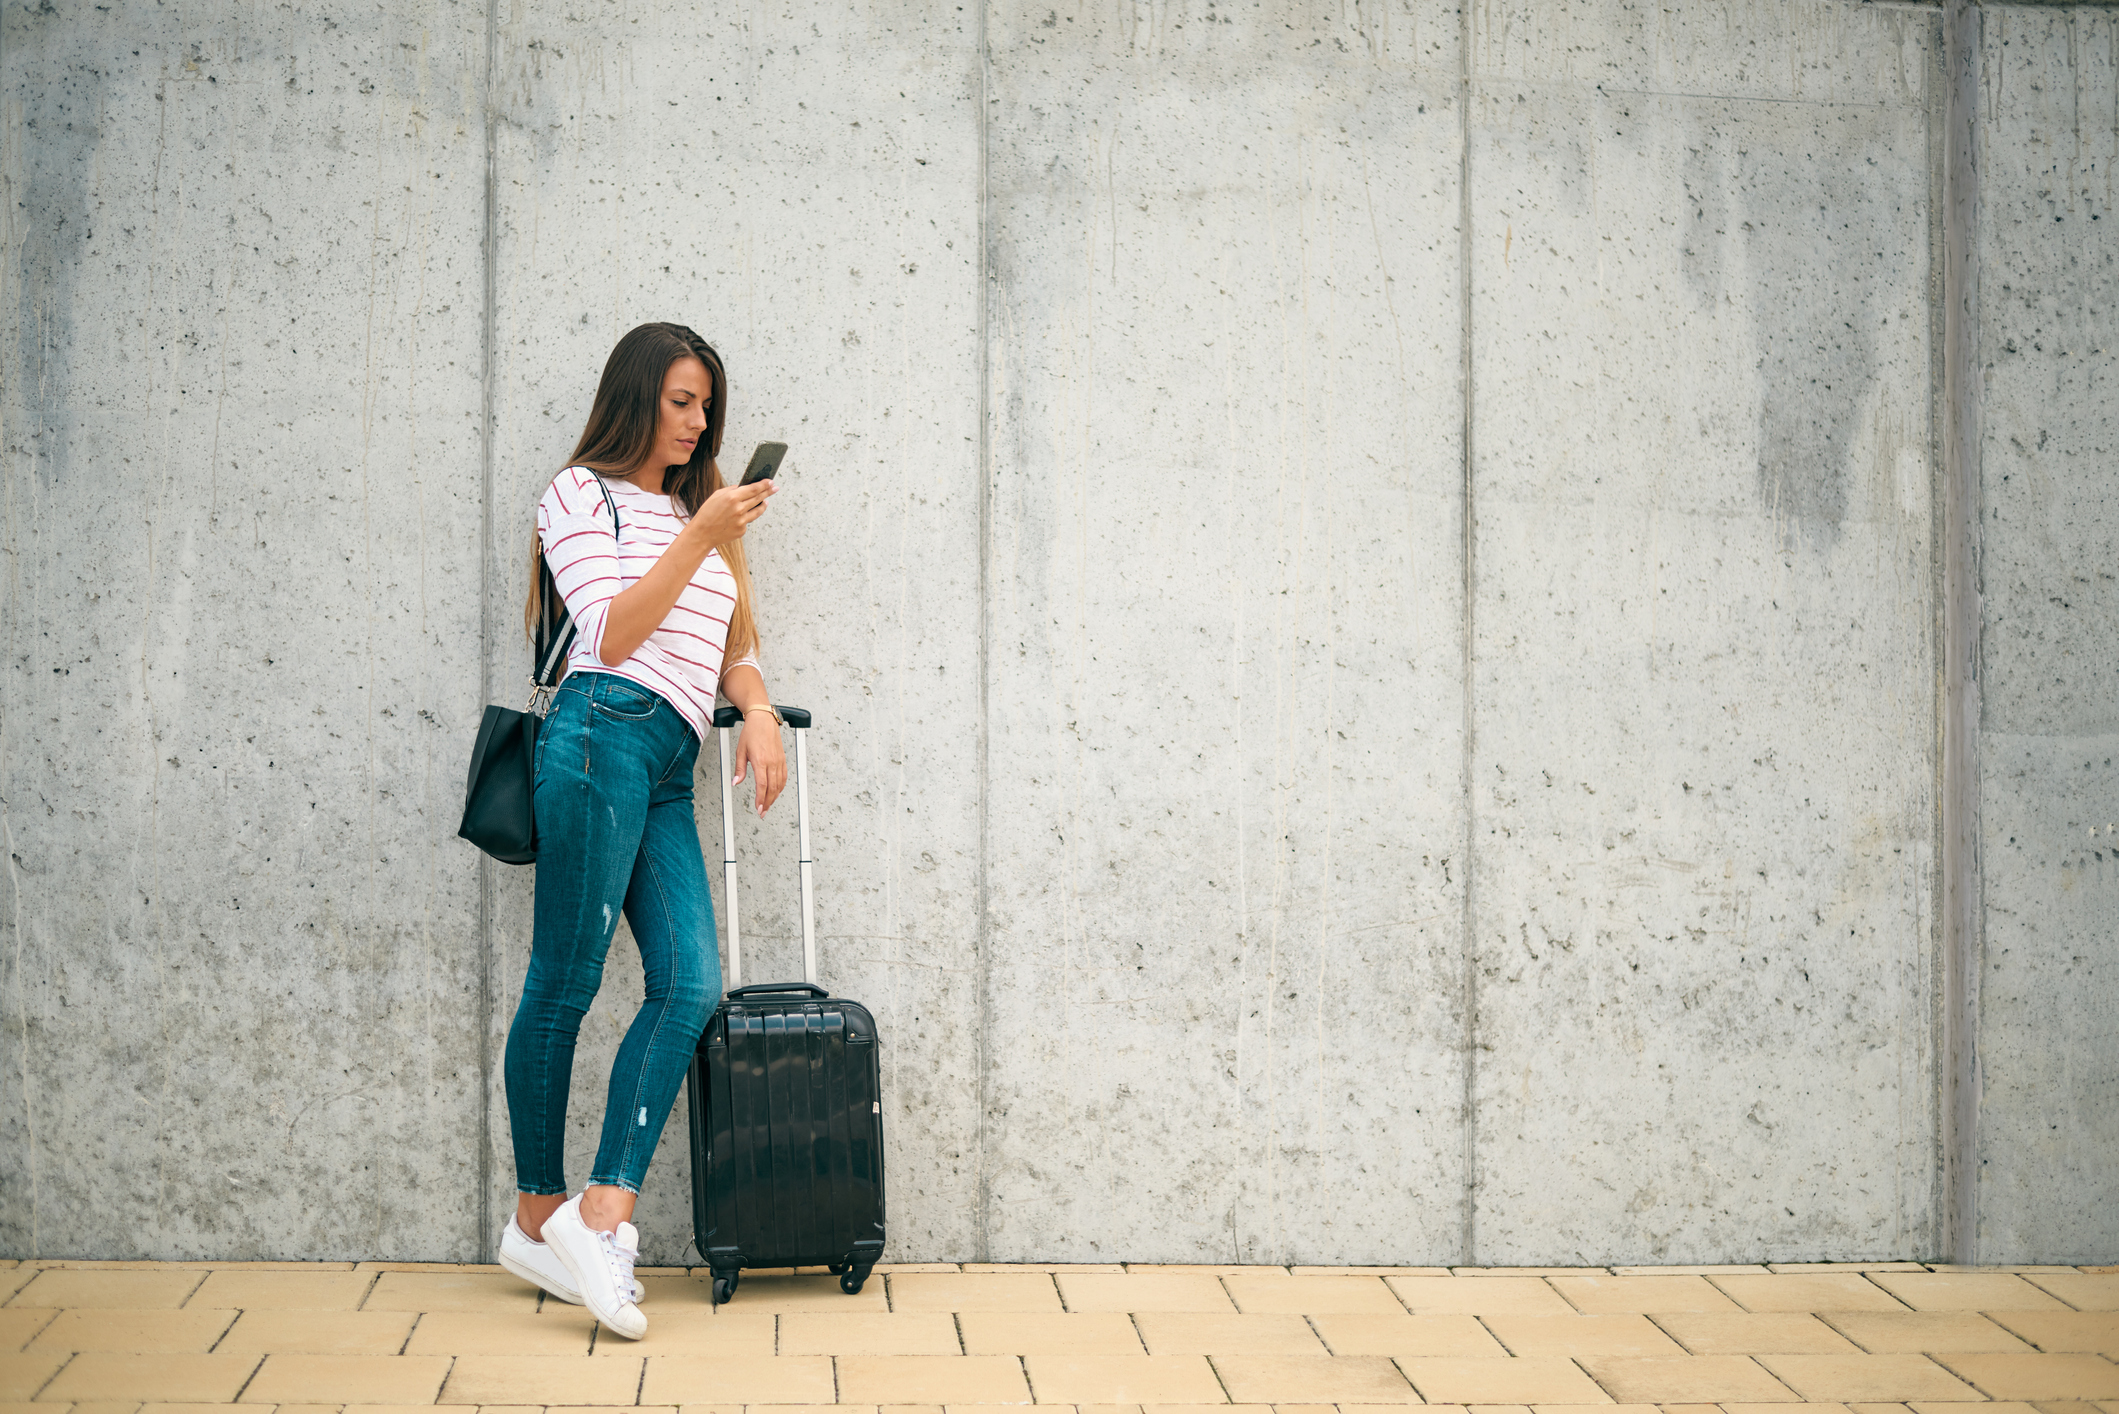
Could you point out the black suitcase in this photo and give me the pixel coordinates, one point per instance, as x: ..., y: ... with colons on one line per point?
x: 786, y: 1100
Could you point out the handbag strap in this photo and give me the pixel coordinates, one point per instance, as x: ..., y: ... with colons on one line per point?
x: 551, y: 656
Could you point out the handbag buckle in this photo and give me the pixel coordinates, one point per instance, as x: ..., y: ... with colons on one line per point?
x: 540, y: 698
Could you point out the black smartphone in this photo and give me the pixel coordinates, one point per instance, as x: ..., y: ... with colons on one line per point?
x: 764, y: 463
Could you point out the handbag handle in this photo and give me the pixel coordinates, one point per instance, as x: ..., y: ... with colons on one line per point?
x: 549, y: 658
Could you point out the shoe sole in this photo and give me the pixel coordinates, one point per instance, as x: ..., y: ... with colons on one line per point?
x: 536, y: 1279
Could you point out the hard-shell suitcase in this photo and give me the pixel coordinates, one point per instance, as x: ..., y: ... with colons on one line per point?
x: 786, y: 1099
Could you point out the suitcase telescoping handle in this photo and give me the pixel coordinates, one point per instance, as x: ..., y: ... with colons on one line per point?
x: 795, y: 717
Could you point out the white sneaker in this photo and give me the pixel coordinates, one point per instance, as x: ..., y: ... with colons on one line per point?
x: 534, y: 1263
x: 601, y: 1265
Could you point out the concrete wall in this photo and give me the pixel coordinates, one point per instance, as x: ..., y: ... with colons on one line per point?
x: 1369, y: 575
x: 2047, y: 1128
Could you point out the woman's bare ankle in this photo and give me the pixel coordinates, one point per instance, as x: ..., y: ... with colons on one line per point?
x: 531, y: 1210
x: 605, y: 1205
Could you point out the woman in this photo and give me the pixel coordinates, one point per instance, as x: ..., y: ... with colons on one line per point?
x: 644, y: 544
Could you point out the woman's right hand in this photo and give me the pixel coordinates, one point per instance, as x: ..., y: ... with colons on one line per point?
x: 729, y: 511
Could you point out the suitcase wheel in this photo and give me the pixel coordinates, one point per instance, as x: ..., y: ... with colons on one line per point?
x: 725, y: 1287
x: 837, y: 1269
x: 850, y: 1282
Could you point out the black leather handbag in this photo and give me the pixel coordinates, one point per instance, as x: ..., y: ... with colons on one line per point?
x: 500, y: 816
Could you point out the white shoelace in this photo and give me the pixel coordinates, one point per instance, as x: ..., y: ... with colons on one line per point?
x: 621, y: 1256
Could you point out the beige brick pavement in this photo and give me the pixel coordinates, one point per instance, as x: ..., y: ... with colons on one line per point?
x: 935, y: 1338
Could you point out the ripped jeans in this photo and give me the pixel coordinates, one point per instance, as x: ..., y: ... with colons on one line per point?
x: 614, y: 830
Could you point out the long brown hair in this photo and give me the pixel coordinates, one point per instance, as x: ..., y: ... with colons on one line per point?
x: 621, y: 429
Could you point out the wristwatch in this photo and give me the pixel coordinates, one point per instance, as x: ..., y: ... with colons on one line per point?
x: 768, y: 709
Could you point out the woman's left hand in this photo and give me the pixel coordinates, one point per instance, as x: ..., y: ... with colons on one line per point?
x: 758, y: 746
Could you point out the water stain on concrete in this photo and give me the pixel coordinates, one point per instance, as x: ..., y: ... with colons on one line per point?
x: 1777, y: 224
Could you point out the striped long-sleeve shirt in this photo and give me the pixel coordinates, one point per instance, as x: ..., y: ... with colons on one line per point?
x: 681, y: 661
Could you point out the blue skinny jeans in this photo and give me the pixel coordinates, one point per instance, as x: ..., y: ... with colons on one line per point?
x: 614, y: 830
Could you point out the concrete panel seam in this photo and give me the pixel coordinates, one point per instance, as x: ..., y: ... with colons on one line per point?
x: 483, y: 1208
x: 1961, y: 620
x: 981, y: 935
x: 1468, y: 1000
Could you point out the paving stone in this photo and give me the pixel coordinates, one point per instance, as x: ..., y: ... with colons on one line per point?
x: 2084, y: 1291
x: 451, y: 1291
x: 695, y: 1330
x: 18, y: 1324
x: 2066, y: 1331
x: 348, y: 1379
x: 690, y: 1289
x: 2038, y: 1376
x: 1211, y: 1333
x: 945, y: 1293
x: 318, y: 1333
x: 135, y: 1289
x: 1460, y: 1337
x: 1367, y: 1272
x: 1686, y: 1379
x: 1865, y: 1377
x: 1293, y: 1295
x: 1204, y: 1269
x: 1845, y: 1267
x: 1821, y: 1291
x: 135, y: 1332
x: 559, y: 1329
x: 219, y: 1266
x: 1529, y: 1271
x: 21, y: 1376
x: 1522, y: 1380
x: 1527, y: 1296
x: 1049, y: 1333
x: 1568, y: 1336
x: 1908, y: 1332
x: 282, y: 1290
x: 546, y: 1379
x: 932, y: 1379
x: 207, y: 1379
x: 1616, y: 1295
x: 1121, y: 1379
x: 737, y: 1379
x: 490, y: 1268
x: 869, y: 1333
x: 1753, y: 1333
x: 1143, y: 1290
x: 1988, y: 1291
x: 1342, y: 1379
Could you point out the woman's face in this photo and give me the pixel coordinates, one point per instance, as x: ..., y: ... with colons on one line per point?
x: 680, y: 419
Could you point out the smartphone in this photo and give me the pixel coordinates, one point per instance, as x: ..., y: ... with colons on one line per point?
x: 764, y: 463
